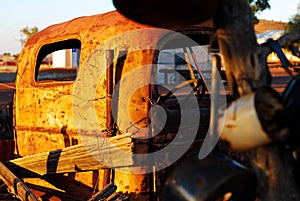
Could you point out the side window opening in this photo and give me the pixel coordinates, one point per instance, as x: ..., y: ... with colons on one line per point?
x: 58, y: 61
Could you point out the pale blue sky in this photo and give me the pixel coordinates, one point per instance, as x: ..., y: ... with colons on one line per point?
x: 281, y: 10
x: 16, y: 14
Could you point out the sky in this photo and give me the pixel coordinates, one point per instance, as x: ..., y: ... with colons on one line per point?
x: 17, y: 14
x: 281, y: 10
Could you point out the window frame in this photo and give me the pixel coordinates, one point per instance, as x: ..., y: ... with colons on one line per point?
x: 49, y: 48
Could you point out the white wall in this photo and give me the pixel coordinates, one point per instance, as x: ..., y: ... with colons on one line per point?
x: 59, y: 58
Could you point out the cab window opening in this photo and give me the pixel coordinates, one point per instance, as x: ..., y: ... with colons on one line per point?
x: 58, y: 61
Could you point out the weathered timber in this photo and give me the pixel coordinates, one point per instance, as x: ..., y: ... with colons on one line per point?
x: 15, y: 184
x: 98, y: 154
x: 245, y: 68
x: 274, y: 171
x: 246, y: 71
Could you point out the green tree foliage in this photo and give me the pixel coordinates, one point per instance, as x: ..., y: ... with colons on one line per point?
x: 27, y: 32
x: 294, y: 23
x: 16, y: 56
x: 258, y: 6
x: 6, y: 54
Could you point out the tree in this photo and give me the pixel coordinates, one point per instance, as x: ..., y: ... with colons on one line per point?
x: 6, y: 54
x: 258, y: 6
x: 16, y: 56
x: 27, y: 32
x: 294, y: 23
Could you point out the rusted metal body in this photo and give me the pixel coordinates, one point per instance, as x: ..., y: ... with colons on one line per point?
x: 46, y: 113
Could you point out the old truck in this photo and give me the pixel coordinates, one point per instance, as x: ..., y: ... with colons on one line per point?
x: 115, y: 122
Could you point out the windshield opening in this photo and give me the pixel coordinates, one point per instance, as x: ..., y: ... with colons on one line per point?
x: 181, y: 67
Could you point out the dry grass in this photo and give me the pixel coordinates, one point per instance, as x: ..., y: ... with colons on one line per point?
x: 265, y: 25
x: 8, y: 69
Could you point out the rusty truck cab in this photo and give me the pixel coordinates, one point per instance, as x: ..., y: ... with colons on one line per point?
x: 52, y: 100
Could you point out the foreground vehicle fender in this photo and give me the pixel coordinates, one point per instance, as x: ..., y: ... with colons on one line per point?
x: 210, y: 179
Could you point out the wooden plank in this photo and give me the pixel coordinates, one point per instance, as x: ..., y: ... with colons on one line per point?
x: 112, y: 152
x: 15, y: 184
